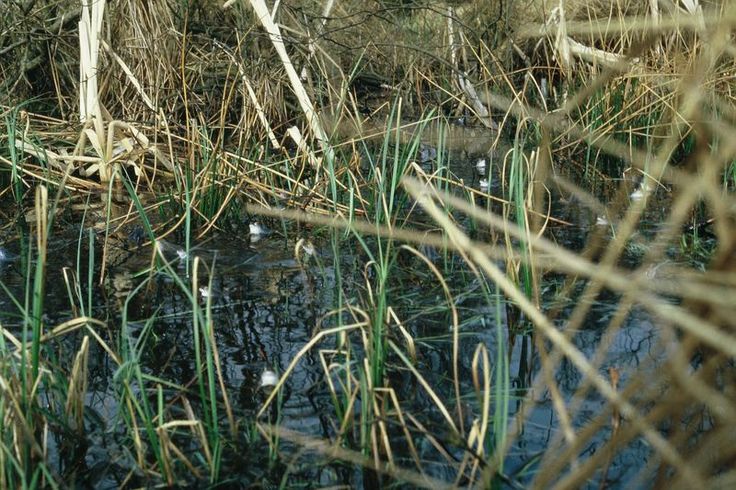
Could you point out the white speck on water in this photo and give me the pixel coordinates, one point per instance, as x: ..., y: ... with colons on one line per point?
x: 308, y: 248
x: 483, y: 185
x: 181, y: 254
x: 480, y: 166
x: 269, y: 379
x: 257, y: 229
x: 304, y: 246
x: 643, y: 188
x: 204, y: 291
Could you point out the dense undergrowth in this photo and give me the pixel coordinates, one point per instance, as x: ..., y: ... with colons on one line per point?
x: 192, y: 118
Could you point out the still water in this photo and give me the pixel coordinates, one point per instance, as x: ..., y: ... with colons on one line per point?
x: 267, y: 304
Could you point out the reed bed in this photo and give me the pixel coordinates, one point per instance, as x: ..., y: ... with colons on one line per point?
x: 190, y: 118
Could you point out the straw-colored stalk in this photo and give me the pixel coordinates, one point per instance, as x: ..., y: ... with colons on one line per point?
x: 78, y: 387
x: 259, y: 6
x: 90, y: 28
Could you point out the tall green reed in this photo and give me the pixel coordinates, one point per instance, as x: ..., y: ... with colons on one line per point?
x: 11, y: 129
x: 385, y: 205
x: 518, y: 179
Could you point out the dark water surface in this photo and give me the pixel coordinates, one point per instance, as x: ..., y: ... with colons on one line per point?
x: 267, y: 305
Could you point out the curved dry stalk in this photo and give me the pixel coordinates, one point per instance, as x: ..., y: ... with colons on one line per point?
x: 455, y: 332
x: 557, y: 338
x: 634, y: 24
x: 402, y: 423
x: 307, y: 347
x: 77, y: 389
x: 425, y: 384
x: 479, y: 432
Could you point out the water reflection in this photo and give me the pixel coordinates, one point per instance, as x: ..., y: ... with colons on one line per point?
x: 266, y: 302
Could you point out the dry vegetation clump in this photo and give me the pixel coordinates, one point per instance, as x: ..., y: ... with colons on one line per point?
x: 157, y: 53
x: 623, y: 61
x: 39, y: 51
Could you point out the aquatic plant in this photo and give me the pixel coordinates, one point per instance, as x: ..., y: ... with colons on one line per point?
x: 180, y: 121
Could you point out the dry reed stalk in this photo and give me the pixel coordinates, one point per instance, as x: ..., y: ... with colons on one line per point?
x: 252, y: 95
x: 461, y: 78
x: 77, y: 390
x: 90, y: 28
x: 311, y: 46
x: 274, y: 33
x: 631, y: 24
x: 131, y: 77
x: 307, y: 347
x: 479, y: 433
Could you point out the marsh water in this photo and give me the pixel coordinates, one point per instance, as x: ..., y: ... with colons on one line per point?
x: 267, y: 305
